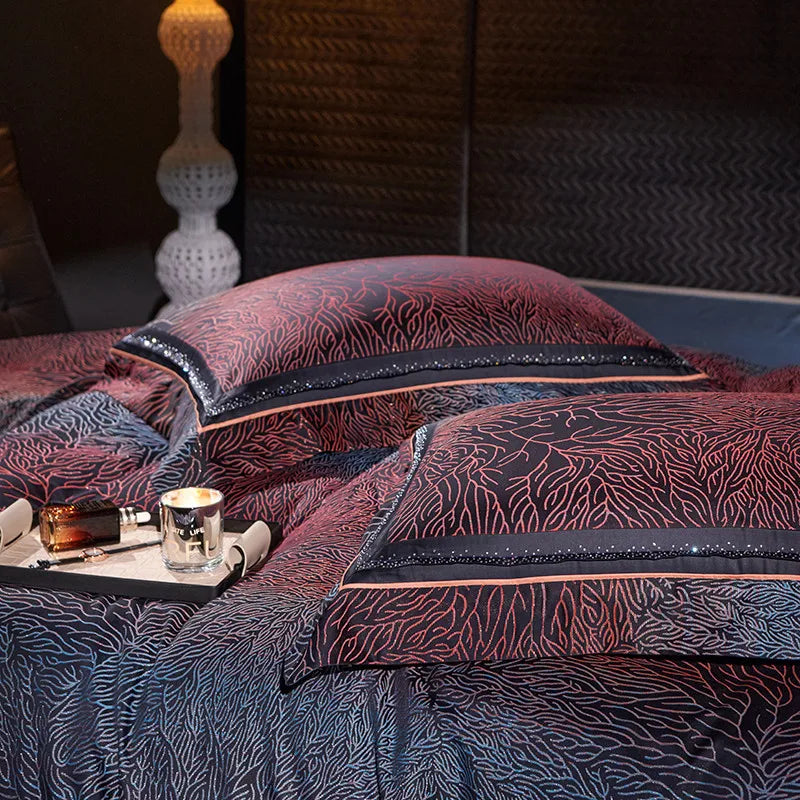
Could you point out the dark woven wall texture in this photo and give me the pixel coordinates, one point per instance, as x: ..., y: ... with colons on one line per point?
x: 620, y: 140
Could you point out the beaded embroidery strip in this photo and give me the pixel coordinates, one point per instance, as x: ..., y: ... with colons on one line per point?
x: 547, y: 553
x: 568, y: 361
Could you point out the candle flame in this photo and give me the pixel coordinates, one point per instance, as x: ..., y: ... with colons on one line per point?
x: 191, y: 497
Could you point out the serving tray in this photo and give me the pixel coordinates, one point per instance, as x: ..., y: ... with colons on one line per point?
x: 135, y: 573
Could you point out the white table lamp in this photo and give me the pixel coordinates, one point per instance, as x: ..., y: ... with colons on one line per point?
x: 196, y: 175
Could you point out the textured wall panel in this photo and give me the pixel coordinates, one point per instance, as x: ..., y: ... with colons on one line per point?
x: 654, y: 142
x: 355, y: 129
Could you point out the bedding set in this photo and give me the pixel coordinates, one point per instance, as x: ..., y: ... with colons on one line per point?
x: 529, y: 550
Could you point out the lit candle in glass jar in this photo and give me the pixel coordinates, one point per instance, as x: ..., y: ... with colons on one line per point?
x: 191, y: 528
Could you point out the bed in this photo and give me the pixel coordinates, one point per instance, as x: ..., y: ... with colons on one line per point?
x: 286, y: 687
x: 365, y: 659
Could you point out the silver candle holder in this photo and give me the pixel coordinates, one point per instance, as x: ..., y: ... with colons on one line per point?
x: 192, y: 522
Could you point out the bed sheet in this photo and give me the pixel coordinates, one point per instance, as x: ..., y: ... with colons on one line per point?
x: 104, y: 697
x: 156, y: 700
x: 732, y: 374
x: 595, y: 727
x: 41, y: 370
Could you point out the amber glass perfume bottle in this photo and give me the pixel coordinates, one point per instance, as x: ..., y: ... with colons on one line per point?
x: 95, y: 522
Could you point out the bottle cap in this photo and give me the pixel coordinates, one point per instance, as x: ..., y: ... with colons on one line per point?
x: 130, y: 519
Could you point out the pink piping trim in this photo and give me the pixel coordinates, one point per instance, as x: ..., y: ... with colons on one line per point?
x: 331, y: 400
x: 564, y: 578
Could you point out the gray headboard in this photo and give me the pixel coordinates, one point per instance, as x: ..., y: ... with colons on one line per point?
x: 649, y: 142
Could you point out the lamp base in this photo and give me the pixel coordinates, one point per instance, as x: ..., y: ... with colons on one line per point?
x: 191, y: 267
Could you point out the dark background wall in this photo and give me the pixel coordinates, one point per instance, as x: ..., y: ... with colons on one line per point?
x: 355, y: 122
x: 608, y: 139
x: 92, y: 101
x: 647, y: 142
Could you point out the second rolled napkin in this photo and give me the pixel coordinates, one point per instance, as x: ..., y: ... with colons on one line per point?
x: 251, y: 548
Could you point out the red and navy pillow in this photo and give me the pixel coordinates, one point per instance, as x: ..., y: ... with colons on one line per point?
x: 629, y: 524
x: 366, y: 329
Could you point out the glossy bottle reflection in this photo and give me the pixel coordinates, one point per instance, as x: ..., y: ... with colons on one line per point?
x: 70, y: 526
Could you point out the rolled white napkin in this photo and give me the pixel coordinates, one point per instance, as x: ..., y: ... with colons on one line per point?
x: 251, y: 547
x: 15, y: 521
